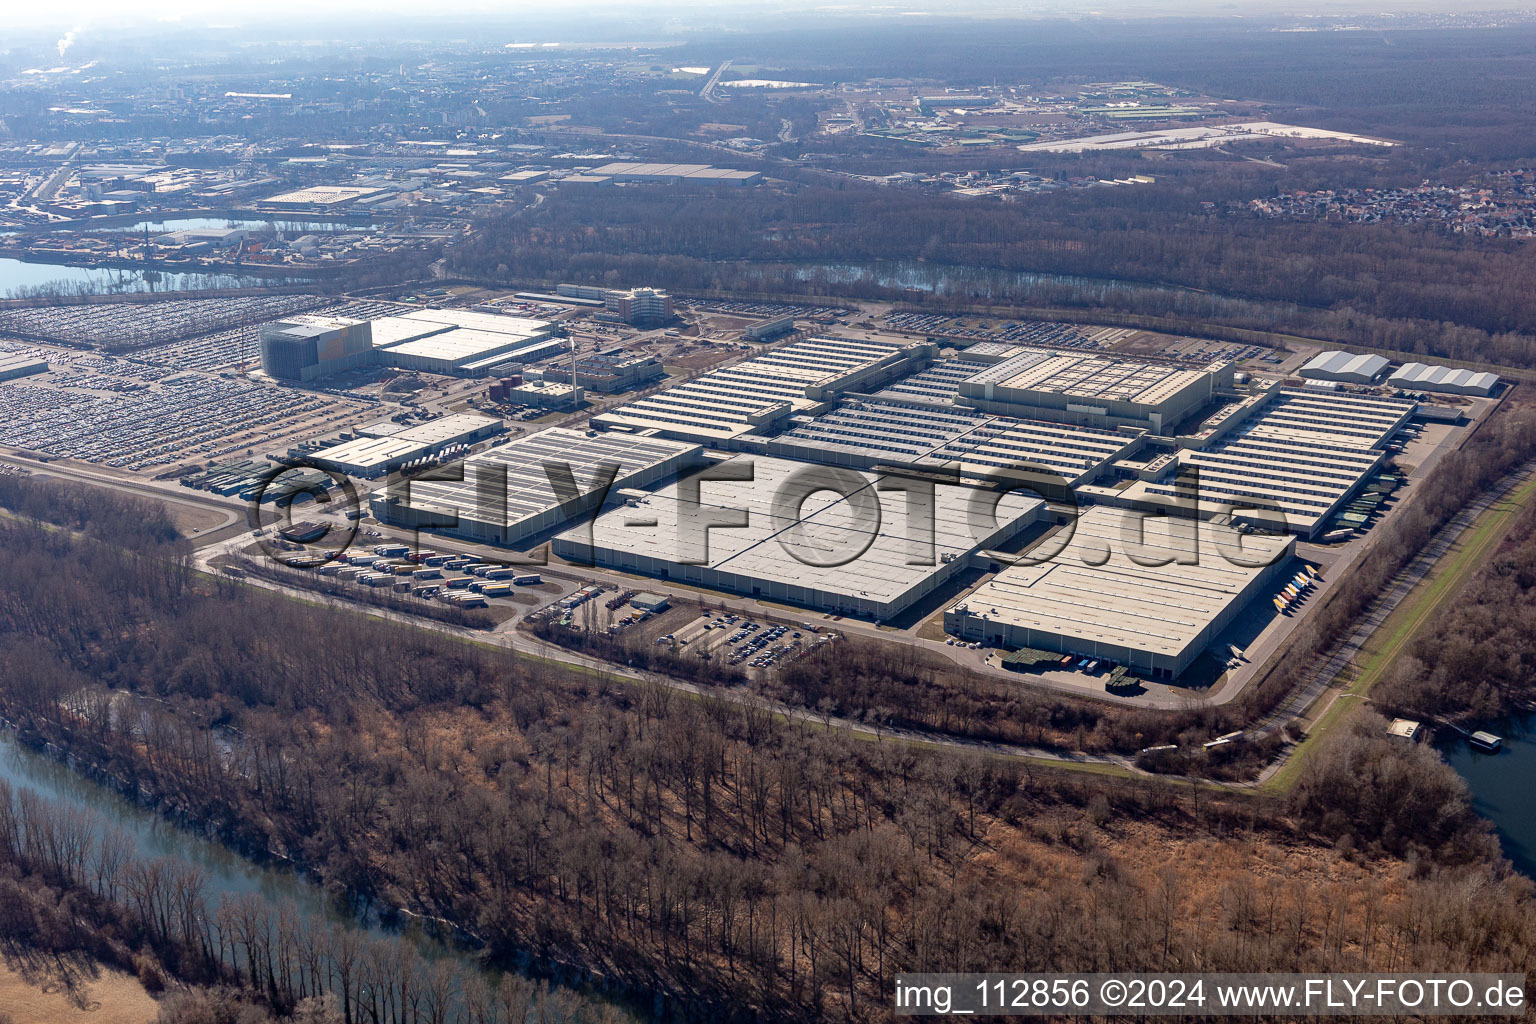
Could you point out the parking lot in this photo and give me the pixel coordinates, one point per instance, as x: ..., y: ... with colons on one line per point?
x: 129, y: 415
x: 123, y: 326
x: 229, y: 347
x: 1191, y: 350
x: 742, y: 641
x: 1016, y: 332
x: 767, y: 310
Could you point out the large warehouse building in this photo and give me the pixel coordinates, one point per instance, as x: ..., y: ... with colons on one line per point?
x: 676, y: 174
x: 506, y: 494
x: 1345, y: 368
x: 880, y: 431
x: 305, y: 347
x: 384, y: 447
x: 1298, y: 452
x: 1093, y: 390
x: 850, y: 548
x: 461, y: 342
x: 13, y: 366
x: 1150, y: 593
x: 1443, y: 379
x: 759, y: 395
x: 455, y: 342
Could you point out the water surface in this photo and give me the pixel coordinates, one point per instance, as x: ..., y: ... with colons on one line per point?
x: 1502, y: 784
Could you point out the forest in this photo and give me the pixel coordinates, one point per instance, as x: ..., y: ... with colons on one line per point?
x: 1145, y: 251
x: 1478, y: 662
x: 706, y: 859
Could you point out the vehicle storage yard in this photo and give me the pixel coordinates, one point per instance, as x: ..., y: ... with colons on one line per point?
x: 1015, y: 332
x: 230, y: 347
x: 120, y: 326
x: 124, y: 414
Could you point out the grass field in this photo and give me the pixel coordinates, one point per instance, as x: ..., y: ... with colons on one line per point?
x: 34, y: 993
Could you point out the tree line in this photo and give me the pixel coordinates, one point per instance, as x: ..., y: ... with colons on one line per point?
x: 1152, y: 251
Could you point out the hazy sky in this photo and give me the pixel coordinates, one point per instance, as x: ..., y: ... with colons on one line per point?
x: 87, y: 15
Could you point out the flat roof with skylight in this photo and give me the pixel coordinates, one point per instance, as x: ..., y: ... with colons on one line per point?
x: 479, y: 507
x: 880, y: 570
x: 1102, y: 593
x: 759, y: 393
x: 1092, y: 389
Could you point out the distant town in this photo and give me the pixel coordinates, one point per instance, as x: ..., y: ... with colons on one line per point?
x: 1502, y: 205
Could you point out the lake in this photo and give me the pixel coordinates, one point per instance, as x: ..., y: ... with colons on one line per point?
x: 951, y: 281
x: 1501, y: 785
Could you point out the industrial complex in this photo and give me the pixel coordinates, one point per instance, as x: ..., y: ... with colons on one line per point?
x: 1112, y: 508
x: 1056, y: 491
x: 760, y: 394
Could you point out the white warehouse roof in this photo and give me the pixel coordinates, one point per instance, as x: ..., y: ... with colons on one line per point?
x: 1422, y: 377
x: 1346, y: 366
x: 855, y: 552
x: 1123, y: 587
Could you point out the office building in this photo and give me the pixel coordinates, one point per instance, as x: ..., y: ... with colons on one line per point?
x: 640, y: 305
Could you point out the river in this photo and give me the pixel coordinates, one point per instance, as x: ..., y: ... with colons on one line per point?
x: 1501, y: 785
x: 286, y: 225
x: 154, y: 836
x: 226, y: 872
x: 16, y: 274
